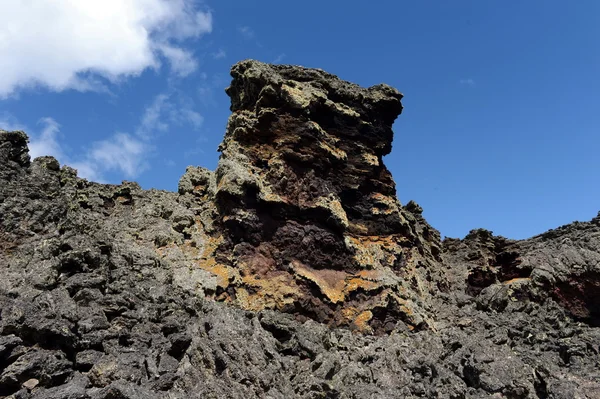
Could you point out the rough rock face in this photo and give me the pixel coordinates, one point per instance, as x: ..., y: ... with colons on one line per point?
x: 290, y: 271
x: 311, y: 222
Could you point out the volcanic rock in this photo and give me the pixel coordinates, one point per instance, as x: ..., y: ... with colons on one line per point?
x: 290, y: 271
x: 310, y: 221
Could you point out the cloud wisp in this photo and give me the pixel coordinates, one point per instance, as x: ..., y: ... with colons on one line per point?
x: 9, y: 122
x: 219, y: 55
x: 126, y: 154
x: 247, y: 32
x: 130, y: 154
x: 47, y: 142
x: 279, y: 58
x: 121, y: 152
x: 467, y: 82
x: 84, y: 40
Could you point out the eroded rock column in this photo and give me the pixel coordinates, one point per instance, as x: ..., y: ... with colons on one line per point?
x: 311, y: 222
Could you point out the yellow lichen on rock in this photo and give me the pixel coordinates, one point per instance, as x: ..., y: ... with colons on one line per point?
x: 334, y: 206
x: 343, y: 109
x: 309, y: 212
x: 272, y: 293
x: 361, y: 322
x: 385, y: 205
x: 362, y: 282
x: 296, y: 95
x: 204, y: 257
x: 374, y: 251
x: 331, y: 282
x: 336, y: 153
x: 370, y: 159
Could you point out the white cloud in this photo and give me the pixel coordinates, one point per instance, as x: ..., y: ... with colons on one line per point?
x: 126, y: 154
x: 207, y: 90
x: 64, y: 44
x: 167, y: 110
x: 206, y: 95
x: 152, y: 119
x: 467, y: 82
x: 182, y: 61
x: 9, y: 122
x: 87, y: 170
x: 247, y: 32
x: 279, y: 58
x: 46, y: 143
x: 89, y: 82
x: 219, y: 54
x: 188, y: 116
x: 130, y: 154
x: 121, y: 152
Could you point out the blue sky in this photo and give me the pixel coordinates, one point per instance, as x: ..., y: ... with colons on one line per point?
x: 501, y: 126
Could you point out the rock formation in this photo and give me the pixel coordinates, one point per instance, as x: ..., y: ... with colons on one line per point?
x: 308, y: 216
x: 290, y: 271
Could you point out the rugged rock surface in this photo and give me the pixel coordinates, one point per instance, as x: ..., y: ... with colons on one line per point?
x: 311, y: 223
x: 290, y: 271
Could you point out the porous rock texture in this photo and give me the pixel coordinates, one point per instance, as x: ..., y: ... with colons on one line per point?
x: 290, y: 271
x: 311, y: 222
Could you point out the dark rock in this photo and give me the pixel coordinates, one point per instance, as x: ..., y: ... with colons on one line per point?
x: 290, y: 271
x: 75, y: 388
x: 48, y: 367
x: 86, y: 359
x: 125, y: 390
x: 309, y: 208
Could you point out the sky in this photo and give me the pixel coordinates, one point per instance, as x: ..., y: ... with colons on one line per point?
x: 501, y: 121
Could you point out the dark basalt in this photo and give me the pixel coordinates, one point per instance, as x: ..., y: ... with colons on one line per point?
x: 310, y: 215
x: 290, y: 271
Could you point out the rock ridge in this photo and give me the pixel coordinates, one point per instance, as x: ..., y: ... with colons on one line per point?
x: 292, y: 270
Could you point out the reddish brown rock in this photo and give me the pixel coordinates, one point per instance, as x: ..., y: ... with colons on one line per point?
x: 311, y: 221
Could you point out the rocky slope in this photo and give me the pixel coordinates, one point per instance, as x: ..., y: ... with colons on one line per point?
x: 290, y: 271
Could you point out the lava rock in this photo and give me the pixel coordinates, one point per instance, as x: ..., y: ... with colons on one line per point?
x: 291, y: 271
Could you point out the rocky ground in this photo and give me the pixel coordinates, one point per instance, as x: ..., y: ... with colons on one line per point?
x: 290, y: 271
